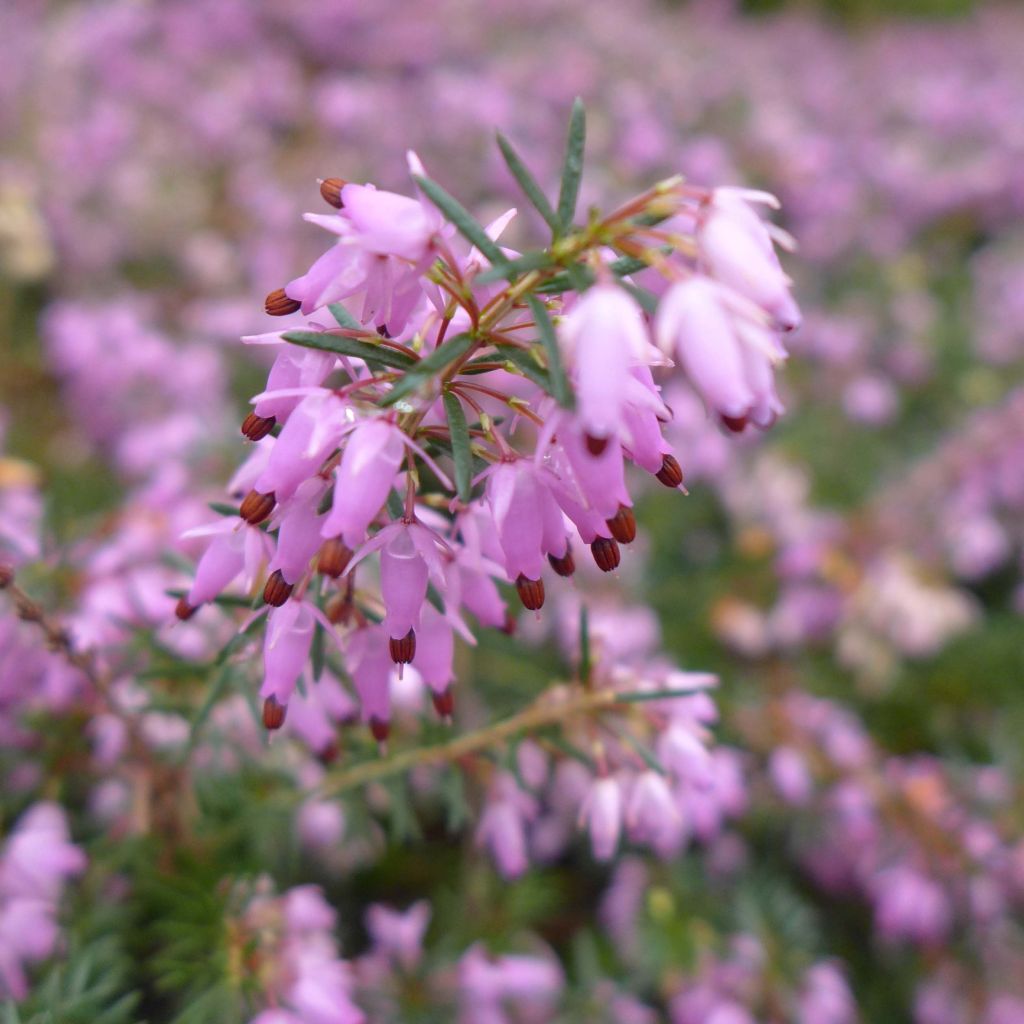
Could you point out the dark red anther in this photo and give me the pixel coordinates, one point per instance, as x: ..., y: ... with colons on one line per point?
x: 564, y: 566
x: 606, y: 553
x: 531, y: 592
x: 403, y: 649
x: 184, y: 610
x: 330, y: 189
x: 6, y: 576
x: 510, y: 624
x: 257, y: 427
x: 273, y: 713
x: 334, y: 557
x: 277, y: 303
x: 737, y: 424
x: 277, y: 589
x: 671, y: 473
x: 596, y: 445
x: 256, y: 507
x: 622, y: 525
x: 444, y: 703
x: 379, y: 729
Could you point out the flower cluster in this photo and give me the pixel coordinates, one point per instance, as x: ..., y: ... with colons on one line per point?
x: 525, y: 377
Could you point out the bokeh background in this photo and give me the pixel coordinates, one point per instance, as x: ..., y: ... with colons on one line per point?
x: 853, y: 576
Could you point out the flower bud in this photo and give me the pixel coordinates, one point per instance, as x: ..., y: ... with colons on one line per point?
x: 622, y: 525
x: 531, y: 592
x: 277, y: 590
x: 403, y: 649
x: 334, y: 557
x: 273, y: 713
x: 671, y: 473
x: 330, y: 189
x: 257, y: 427
x: 606, y: 554
x: 277, y: 303
x: 564, y: 566
x: 256, y: 507
x: 184, y: 610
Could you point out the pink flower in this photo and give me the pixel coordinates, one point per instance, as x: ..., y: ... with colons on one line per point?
x: 601, y: 813
x: 526, y: 517
x: 398, y: 934
x: 237, y: 549
x: 603, y: 337
x: 727, y: 354
x: 364, y: 477
x: 737, y: 247
x: 286, y: 648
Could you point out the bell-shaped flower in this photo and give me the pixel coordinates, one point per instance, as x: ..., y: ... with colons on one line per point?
x: 736, y: 246
x: 293, y: 368
x: 503, y: 825
x: 410, y: 555
x: 603, y: 336
x: 312, y: 431
x: 725, y: 351
x: 298, y: 535
x: 369, y: 462
x: 435, y: 650
x: 641, y: 432
x: 601, y: 814
x: 237, y: 549
x: 526, y: 517
x: 286, y: 647
x: 337, y: 274
x: 651, y: 814
x: 370, y: 667
x: 600, y: 480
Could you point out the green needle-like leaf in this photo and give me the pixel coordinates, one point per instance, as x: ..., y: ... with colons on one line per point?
x: 369, y: 353
x: 426, y: 369
x: 464, y: 222
x: 572, y: 169
x: 458, y: 430
x: 527, y: 183
x: 344, y: 317
x: 559, y: 382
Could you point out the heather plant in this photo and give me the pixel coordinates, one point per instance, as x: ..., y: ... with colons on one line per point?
x: 752, y: 757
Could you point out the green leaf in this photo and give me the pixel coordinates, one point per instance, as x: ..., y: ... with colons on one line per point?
x: 368, y: 352
x: 458, y: 430
x: 529, y: 366
x: 572, y: 168
x: 528, y: 183
x: 463, y: 220
x: 426, y: 369
x: 344, y: 317
x: 585, y: 662
x: 317, y: 653
x: 559, y: 383
x: 222, y: 508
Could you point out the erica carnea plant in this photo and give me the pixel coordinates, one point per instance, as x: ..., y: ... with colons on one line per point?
x: 452, y: 418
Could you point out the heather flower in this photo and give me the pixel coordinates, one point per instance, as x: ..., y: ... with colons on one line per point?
x: 726, y: 352
x: 601, y: 814
x: 603, y: 337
